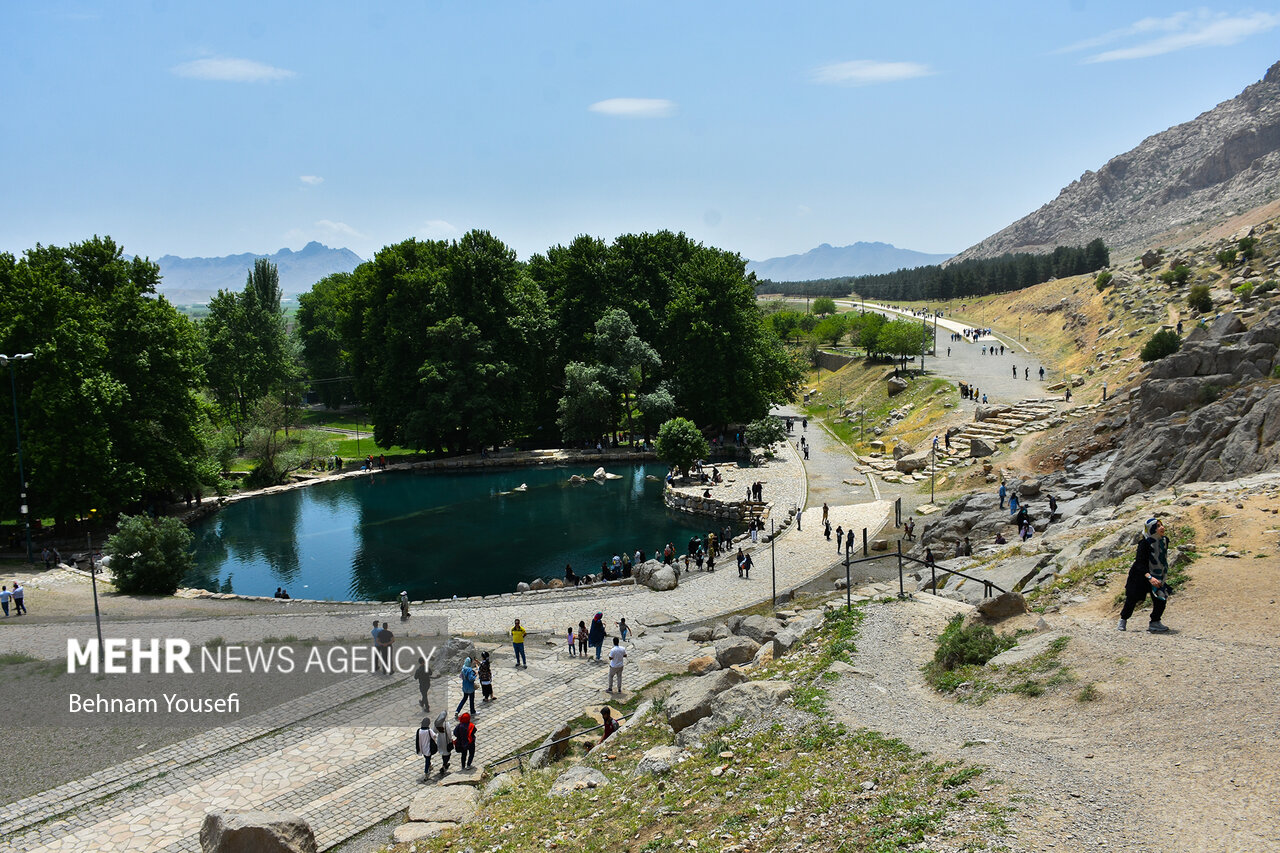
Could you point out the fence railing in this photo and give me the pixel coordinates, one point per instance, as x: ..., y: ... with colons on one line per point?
x: 904, y: 559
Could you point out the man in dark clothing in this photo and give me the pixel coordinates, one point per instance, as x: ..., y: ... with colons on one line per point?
x: 1147, y: 576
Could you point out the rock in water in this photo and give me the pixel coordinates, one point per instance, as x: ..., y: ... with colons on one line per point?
x: 599, y: 474
x: 255, y: 832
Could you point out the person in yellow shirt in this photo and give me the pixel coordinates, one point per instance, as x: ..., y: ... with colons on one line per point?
x: 517, y: 642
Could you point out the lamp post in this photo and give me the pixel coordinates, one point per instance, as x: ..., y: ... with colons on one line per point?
x: 22, y: 478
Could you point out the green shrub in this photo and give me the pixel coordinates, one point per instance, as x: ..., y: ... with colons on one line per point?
x: 766, y: 431
x: 1244, y: 291
x: 1103, y: 280
x: 1162, y: 343
x: 150, y: 556
x: 824, y: 305
x: 960, y: 645
x: 1226, y: 258
x: 1266, y: 287
x: 1199, y: 299
x: 1248, y: 247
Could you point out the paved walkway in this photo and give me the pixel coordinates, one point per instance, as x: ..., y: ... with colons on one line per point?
x: 313, y: 755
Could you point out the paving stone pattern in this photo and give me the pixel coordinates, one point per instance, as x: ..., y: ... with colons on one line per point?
x: 314, y: 757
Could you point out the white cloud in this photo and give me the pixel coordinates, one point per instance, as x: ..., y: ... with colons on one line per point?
x: 867, y: 72
x: 339, y: 228
x: 635, y: 107
x: 437, y: 229
x: 1182, y: 30
x: 311, y: 180
x: 231, y: 70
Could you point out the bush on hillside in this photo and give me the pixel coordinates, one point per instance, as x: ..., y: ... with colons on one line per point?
x: 1178, y: 275
x: 968, y: 645
x: 1248, y: 247
x: 1162, y: 343
x: 1103, y: 280
x: 1244, y: 291
x: 1199, y: 299
x: 1226, y: 258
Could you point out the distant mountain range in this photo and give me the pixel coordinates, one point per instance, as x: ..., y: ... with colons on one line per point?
x: 829, y: 261
x: 1222, y: 163
x: 187, y: 281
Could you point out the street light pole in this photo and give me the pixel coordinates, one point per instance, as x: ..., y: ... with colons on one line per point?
x: 773, y: 564
x: 22, y: 477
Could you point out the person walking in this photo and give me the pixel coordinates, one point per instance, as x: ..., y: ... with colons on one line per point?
x: 1147, y: 577
x: 444, y: 743
x: 386, y: 640
x: 744, y: 565
x: 1015, y: 371
x: 617, y: 656
x: 423, y: 676
x: 425, y: 744
x: 571, y: 643
x: 624, y: 629
x: 1002, y: 492
x: 486, y: 678
x: 910, y: 529
x: 826, y: 529
x: 464, y: 740
x: 20, y: 597
x: 517, y: 643
x: 1042, y: 373
x: 582, y: 639
x: 825, y: 509
x: 839, y: 538
x: 404, y: 606
x: 5, y: 598
x: 595, y: 637
x: 468, y: 688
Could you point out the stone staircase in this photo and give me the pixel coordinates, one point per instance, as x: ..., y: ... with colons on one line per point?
x: 1001, y: 425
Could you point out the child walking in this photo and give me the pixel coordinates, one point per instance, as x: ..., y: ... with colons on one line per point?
x: 486, y: 677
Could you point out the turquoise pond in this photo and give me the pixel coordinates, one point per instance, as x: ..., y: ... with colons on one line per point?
x: 435, y: 535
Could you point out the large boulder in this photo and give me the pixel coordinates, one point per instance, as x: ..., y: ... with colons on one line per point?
x: 913, y: 462
x: 897, y: 385
x: 703, y: 634
x: 721, y: 631
x: 693, y: 698
x: 703, y: 664
x: 733, y: 650
x: 902, y: 449
x: 452, y: 804
x: 980, y: 447
x: 660, y: 760
x: 577, y: 778
x: 553, y: 748
x: 752, y: 700
x: 225, y: 831
x: 1003, y: 606
x: 758, y: 628
x: 448, y: 658
x: 784, y: 641
x: 645, y: 570
x: 663, y: 579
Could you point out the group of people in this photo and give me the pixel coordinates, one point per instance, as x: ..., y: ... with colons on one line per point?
x: 16, y: 598
x: 281, y: 592
x: 434, y: 739
x: 791, y: 423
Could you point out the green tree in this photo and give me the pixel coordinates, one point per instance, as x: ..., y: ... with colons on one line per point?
x: 1199, y: 299
x: 831, y: 329
x: 1103, y: 280
x: 902, y: 339
x: 449, y: 344
x: 323, y: 319
x: 656, y: 408
x: 1248, y: 247
x: 149, y: 556
x: 274, y: 456
x: 248, y: 352
x: 766, y: 431
x: 108, y: 406
x: 1162, y: 343
x: 1226, y: 258
x: 679, y: 443
x: 628, y: 364
x: 1178, y: 275
x: 824, y: 305
x: 584, y: 412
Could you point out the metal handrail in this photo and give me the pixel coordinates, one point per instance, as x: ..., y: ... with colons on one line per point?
x: 987, y: 585
x: 516, y: 756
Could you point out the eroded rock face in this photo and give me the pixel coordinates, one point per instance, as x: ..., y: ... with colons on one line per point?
x: 226, y: 831
x: 1223, y: 161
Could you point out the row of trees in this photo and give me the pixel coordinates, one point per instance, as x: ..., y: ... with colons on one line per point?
x: 456, y: 345
x: 878, y: 336
x: 450, y: 346
x: 976, y: 277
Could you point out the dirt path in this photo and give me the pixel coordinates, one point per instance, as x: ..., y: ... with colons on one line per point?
x: 1176, y: 753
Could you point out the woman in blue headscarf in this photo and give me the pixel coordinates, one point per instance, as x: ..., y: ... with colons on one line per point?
x: 468, y: 688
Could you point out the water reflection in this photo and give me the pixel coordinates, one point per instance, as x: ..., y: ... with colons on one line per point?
x: 434, y: 535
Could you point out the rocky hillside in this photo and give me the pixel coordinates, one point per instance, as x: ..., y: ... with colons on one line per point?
x: 1225, y: 161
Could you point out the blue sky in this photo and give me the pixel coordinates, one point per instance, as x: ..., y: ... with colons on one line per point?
x: 764, y: 128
